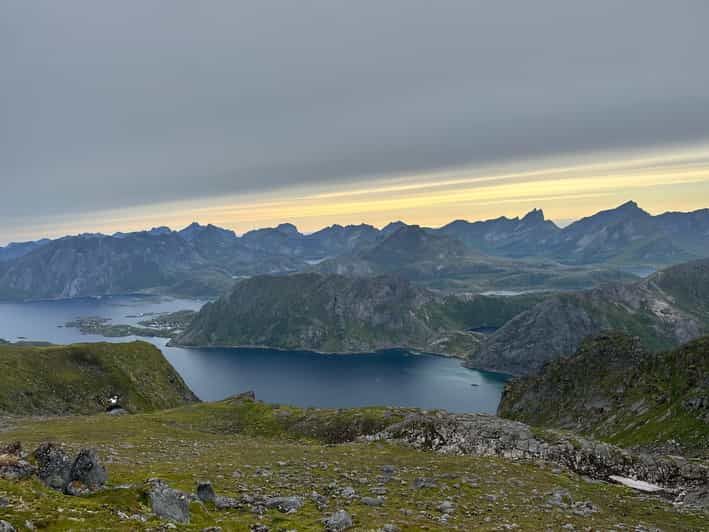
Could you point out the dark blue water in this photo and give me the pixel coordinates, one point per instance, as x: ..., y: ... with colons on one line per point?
x: 392, y: 378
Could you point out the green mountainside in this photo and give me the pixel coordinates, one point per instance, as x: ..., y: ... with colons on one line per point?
x: 80, y: 379
x: 613, y: 389
x: 336, y: 313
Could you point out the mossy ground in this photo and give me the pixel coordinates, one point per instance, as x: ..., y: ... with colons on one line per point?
x: 232, y: 443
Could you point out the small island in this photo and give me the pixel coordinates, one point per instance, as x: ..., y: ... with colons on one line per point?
x: 161, y: 325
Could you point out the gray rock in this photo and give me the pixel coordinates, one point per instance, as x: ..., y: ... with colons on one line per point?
x: 388, y: 470
x: 446, y: 507
x: 340, y: 520
x: 372, y: 501
x: 6, y: 527
x: 424, y: 483
x: 226, y: 503
x: 348, y: 492
x: 584, y: 508
x: 285, y: 504
x: 168, y: 503
x: 87, y: 470
x: 205, y: 492
x: 54, y: 466
x: 13, y: 467
x: 390, y: 528
x: 14, y: 448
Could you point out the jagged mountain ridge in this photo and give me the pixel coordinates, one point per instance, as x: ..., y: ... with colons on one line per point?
x: 203, y: 259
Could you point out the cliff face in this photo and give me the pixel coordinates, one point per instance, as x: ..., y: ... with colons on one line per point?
x: 664, y: 310
x: 614, y: 389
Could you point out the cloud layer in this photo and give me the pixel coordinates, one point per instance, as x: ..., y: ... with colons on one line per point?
x: 123, y: 104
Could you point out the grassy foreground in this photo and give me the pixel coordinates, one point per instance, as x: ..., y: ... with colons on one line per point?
x: 246, y: 447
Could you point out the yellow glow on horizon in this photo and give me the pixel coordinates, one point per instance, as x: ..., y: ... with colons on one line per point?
x: 570, y: 188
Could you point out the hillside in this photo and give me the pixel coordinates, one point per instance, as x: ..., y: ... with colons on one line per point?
x: 275, y: 467
x: 664, y: 310
x: 615, y: 390
x: 80, y: 379
x: 335, y: 313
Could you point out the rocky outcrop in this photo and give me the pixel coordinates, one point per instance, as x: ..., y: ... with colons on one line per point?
x: 485, y: 435
x: 83, y: 475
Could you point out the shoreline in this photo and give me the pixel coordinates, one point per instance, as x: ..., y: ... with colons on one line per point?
x: 413, y: 351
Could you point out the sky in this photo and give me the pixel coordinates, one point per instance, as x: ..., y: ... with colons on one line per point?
x: 128, y: 115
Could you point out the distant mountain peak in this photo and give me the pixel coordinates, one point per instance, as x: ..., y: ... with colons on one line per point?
x: 162, y: 230
x: 535, y: 215
x: 630, y: 206
x: 288, y: 228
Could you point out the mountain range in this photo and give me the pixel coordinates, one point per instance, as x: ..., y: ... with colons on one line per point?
x: 505, y: 253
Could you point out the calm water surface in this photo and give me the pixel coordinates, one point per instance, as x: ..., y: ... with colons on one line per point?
x: 394, y: 378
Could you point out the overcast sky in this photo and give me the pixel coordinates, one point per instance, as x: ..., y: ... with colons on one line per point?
x: 123, y: 114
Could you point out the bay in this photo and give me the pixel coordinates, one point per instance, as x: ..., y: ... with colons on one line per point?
x: 300, y: 378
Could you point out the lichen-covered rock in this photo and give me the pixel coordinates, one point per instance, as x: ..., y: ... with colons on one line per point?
x: 168, y: 503
x: 53, y: 465
x: 88, y: 470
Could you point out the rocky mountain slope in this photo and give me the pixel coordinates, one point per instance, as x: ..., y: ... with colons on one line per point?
x: 664, y: 310
x: 336, y: 313
x: 505, y: 253
x: 614, y: 389
x: 81, y: 378
x: 15, y: 250
x: 442, y: 262
x: 243, y: 465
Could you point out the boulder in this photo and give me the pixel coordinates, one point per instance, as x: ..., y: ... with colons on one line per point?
x: 205, y: 492
x: 53, y: 465
x: 285, y: 504
x: 168, y: 503
x: 340, y: 520
x: 87, y: 470
x: 6, y: 527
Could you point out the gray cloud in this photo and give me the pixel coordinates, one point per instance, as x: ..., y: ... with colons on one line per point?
x: 109, y: 104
